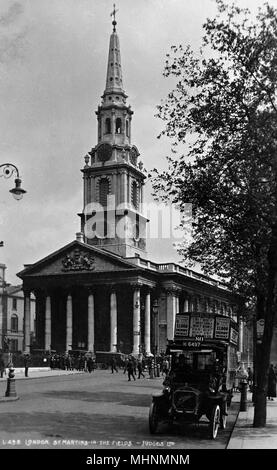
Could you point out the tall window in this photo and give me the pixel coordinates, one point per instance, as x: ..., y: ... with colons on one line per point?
x: 14, y: 323
x: 108, y: 126
x: 103, y: 191
x: 127, y: 127
x: 14, y: 304
x: 118, y: 125
x: 135, y: 194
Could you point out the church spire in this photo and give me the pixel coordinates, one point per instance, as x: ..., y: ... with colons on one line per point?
x: 114, y: 83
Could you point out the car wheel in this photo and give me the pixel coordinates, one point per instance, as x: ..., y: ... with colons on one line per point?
x: 214, y: 421
x: 223, y: 416
x: 153, y: 418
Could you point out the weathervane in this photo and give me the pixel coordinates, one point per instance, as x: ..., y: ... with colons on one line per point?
x: 113, y: 14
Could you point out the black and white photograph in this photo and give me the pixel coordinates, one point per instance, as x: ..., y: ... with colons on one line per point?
x: 138, y: 240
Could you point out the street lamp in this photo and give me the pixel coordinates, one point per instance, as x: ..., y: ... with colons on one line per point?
x: 155, y: 309
x: 8, y: 169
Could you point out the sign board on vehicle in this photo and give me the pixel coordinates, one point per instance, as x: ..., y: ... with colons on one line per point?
x: 201, y: 326
x: 234, y: 336
x: 206, y: 326
x: 182, y: 325
x: 222, y: 327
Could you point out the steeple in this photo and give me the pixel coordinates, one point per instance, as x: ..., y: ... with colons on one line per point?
x: 114, y: 91
x: 113, y: 169
x: 114, y: 83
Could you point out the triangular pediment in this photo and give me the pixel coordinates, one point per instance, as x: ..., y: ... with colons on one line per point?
x: 76, y: 257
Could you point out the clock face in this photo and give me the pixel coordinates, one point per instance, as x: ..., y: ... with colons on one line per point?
x: 104, y: 152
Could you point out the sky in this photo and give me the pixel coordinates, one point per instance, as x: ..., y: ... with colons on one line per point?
x: 53, y: 61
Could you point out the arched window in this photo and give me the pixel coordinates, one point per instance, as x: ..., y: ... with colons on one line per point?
x: 127, y: 127
x: 118, y: 125
x: 14, y: 323
x: 135, y: 194
x: 107, y: 126
x: 103, y: 191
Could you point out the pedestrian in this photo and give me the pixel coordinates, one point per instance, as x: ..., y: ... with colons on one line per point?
x: 89, y: 364
x: 113, y: 365
x: 165, y: 366
x: 271, y: 384
x: 140, y: 370
x: 52, y: 362
x: 26, y: 364
x: 125, y: 365
x: 130, y: 369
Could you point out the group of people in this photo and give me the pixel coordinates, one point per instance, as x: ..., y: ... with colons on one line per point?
x: 137, y: 367
x: 70, y: 362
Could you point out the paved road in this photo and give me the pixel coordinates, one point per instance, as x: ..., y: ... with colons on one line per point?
x: 98, y: 410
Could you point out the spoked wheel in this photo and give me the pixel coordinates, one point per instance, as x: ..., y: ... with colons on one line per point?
x: 223, y: 416
x: 214, y: 421
x: 153, y: 418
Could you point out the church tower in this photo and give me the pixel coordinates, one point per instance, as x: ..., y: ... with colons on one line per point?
x: 113, y: 173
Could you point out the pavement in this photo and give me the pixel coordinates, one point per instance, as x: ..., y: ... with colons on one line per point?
x: 243, y: 436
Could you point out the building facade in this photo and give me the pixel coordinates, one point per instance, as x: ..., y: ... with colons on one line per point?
x: 101, y: 292
x: 12, y: 315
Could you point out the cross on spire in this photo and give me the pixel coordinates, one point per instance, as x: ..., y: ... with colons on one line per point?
x: 113, y: 14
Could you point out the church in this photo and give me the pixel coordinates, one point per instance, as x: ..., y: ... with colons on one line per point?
x: 101, y: 292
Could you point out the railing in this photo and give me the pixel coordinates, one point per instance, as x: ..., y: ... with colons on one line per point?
x: 172, y: 267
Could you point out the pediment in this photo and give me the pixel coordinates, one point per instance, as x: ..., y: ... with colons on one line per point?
x: 76, y: 257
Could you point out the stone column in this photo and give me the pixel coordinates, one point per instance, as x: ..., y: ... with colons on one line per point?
x: 170, y: 314
x: 177, y: 303
x: 241, y: 328
x: 91, y: 332
x: 136, y: 320
x: 186, y: 305
x: 141, y: 195
x: 48, y: 322
x: 147, y: 326
x: 113, y: 322
x: 27, y: 320
x: 113, y: 126
x: 125, y: 187
x: 68, y: 344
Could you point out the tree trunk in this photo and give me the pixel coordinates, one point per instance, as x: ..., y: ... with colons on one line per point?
x: 263, y: 352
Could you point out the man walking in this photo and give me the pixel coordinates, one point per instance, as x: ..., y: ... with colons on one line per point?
x: 140, y: 370
x: 130, y: 369
x: 113, y: 365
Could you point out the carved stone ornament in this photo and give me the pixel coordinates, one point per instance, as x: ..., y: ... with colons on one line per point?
x: 78, y: 261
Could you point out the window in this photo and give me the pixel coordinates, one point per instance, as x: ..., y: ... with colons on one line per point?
x: 14, y: 304
x: 14, y: 323
x: 108, y: 126
x: 127, y: 128
x: 14, y: 345
x: 135, y: 194
x: 103, y: 191
x: 118, y: 126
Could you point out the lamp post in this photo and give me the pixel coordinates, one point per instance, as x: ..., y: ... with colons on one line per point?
x: 8, y: 170
x: 155, y: 313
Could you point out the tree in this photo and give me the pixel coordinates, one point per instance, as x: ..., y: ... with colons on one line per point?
x: 224, y: 109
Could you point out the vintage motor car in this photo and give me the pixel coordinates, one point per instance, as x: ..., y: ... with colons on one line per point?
x: 194, y: 387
